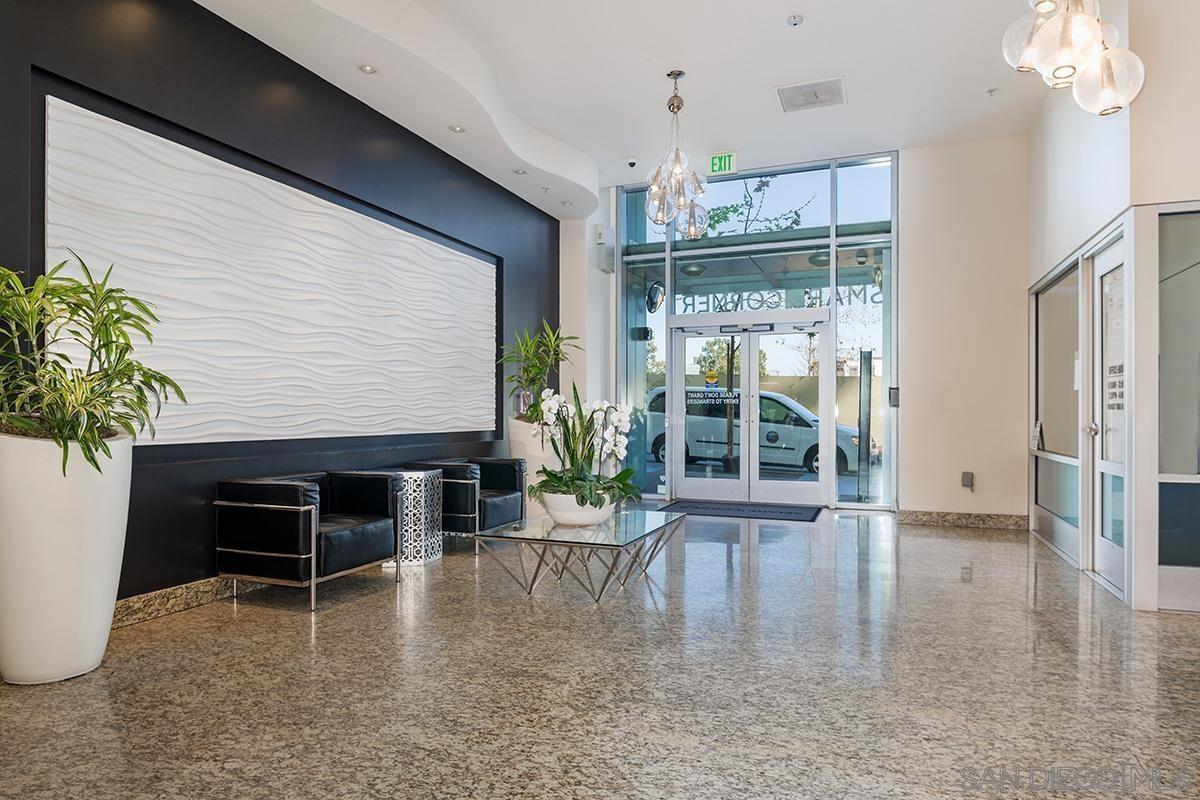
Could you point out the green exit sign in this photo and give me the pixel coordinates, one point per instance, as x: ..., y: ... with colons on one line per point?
x: 722, y: 164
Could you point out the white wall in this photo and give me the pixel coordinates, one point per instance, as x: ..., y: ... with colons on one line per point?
x: 1166, y: 117
x: 1079, y: 171
x: 963, y: 273
x: 585, y: 303
x: 1086, y: 170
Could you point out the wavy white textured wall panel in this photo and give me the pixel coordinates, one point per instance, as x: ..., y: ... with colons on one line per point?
x: 284, y: 316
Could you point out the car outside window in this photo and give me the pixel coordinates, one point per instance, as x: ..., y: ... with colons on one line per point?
x: 774, y: 412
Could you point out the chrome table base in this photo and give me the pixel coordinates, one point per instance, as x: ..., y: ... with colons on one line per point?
x: 594, y: 567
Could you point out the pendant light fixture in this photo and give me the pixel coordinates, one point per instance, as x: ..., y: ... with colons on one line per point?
x: 1066, y: 42
x: 1068, y: 45
x: 1109, y: 82
x: 674, y: 185
x: 1019, y: 41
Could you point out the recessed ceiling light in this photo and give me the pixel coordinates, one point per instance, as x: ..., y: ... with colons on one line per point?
x: 545, y: 189
x: 519, y: 172
x: 368, y: 69
x: 567, y: 203
x: 456, y: 129
x: 693, y: 270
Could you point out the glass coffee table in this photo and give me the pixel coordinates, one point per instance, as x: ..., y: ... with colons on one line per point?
x: 596, y: 556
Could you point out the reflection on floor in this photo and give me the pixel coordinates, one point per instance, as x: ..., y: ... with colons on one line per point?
x: 763, y: 660
x: 849, y: 487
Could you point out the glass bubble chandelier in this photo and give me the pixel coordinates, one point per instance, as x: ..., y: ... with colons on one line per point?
x: 675, y: 187
x: 1067, y: 43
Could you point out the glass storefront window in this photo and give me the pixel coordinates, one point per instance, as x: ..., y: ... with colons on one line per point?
x: 751, y: 281
x: 1058, y: 364
x: 639, y: 235
x: 864, y: 281
x: 765, y: 208
x: 645, y: 344
x: 864, y: 197
x: 769, y: 247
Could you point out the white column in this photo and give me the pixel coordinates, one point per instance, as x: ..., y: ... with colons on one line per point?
x: 585, y: 295
x: 1141, y: 560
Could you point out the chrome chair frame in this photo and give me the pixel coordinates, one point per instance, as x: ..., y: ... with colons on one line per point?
x: 478, y: 495
x: 314, y: 529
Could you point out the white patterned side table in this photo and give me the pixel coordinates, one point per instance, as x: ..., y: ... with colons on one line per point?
x: 420, y: 517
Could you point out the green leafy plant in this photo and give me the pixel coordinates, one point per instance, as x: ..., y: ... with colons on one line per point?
x: 536, y: 355
x: 585, y: 437
x: 67, y: 370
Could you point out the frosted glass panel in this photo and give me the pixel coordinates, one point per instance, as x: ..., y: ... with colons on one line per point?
x: 1179, y: 524
x: 1058, y: 489
x: 1179, y: 331
x: 1112, y: 365
x: 1112, y: 508
x: 1058, y: 364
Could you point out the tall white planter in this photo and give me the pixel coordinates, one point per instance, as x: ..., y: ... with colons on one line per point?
x: 61, y: 542
x: 523, y: 443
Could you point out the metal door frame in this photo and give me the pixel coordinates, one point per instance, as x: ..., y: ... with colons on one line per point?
x: 1107, y: 560
x: 747, y: 486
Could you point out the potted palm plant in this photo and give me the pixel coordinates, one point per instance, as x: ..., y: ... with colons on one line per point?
x: 536, y: 355
x: 589, y: 440
x: 72, y: 399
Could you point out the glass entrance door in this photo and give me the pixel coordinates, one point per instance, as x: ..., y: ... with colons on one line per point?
x: 745, y: 415
x: 707, y: 423
x: 1108, y: 427
x: 789, y: 441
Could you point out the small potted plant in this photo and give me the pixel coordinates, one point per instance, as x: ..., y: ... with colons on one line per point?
x: 588, y: 439
x: 72, y: 399
x: 536, y: 355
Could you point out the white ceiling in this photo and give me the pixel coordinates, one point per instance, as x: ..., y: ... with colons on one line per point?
x: 568, y: 89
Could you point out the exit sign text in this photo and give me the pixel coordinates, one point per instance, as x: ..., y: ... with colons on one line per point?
x: 722, y: 164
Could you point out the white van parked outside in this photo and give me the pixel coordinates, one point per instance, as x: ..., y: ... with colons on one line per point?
x: 787, y: 431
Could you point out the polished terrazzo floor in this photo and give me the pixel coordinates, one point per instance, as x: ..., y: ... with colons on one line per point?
x: 841, y: 659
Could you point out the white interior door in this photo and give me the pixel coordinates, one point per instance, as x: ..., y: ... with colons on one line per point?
x: 1109, y: 426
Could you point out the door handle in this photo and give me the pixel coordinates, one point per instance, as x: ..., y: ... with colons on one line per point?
x: 1092, y: 429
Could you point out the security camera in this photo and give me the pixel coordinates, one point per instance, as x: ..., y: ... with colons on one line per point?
x: 632, y: 163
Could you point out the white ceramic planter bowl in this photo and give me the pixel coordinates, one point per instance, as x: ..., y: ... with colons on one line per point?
x: 61, y: 542
x: 563, y: 509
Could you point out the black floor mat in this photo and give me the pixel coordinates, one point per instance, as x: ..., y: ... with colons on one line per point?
x: 705, y: 508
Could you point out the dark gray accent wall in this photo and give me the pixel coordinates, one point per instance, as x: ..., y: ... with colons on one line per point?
x: 171, y: 67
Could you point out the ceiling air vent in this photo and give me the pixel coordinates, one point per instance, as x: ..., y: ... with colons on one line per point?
x: 812, y: 95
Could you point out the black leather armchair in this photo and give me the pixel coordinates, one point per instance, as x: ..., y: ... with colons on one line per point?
x: 479, y: 494
x: 302, y: 530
